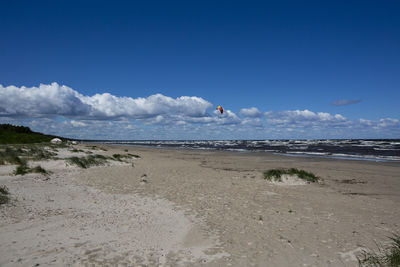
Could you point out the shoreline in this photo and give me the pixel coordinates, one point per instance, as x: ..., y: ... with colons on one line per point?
x: 233, y: 216
x: 352, y: 149
x: 326, y: 155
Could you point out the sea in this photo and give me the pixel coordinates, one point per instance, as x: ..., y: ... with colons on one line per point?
x: 351, y: 149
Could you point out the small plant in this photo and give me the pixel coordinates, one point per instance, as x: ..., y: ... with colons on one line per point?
x: 24, y: 169
x: 276, y: 174
x: 3, y: 190
x: 85, y: 162
x: 4, y: 194
x: 21, y: 169
x: 388, y: 256
x: 38, y: 169
x: 76, y: 150
x: 120, y: 157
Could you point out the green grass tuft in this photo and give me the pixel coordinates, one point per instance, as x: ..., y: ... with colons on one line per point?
x: 4, y: 198
x: 74, y: 150
x: 120, y: 157
x: 388, y: 256
x: 276, y: 174
x: 85, y: 162
x: 21, y: 169
x: 38, y: 169
x: 4, y: 190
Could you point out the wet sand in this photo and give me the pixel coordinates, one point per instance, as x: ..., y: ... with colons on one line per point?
x: 198, y: 208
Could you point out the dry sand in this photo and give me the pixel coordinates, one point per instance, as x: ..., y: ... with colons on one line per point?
x: 197, y: 208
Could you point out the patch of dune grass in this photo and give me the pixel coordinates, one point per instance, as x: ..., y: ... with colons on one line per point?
x: 21, y: 169
x: 74, y: 150
x: 16, y: 154
x: 24, y: 169
x: 96, y: 148
x: 388, y: 256
x: 38, y: 169
x: 126, y: 156
x: 276, y: 174
x: 85, y: 162
x: 4, y: 198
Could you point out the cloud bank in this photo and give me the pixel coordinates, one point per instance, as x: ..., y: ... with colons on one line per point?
x: 61, y: 110
x: 53, y: 100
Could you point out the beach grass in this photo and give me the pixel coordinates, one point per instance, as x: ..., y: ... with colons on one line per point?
x: 20, y: 154
x: 388, y: 256
x: 120, y: 157
x: 21, y: 169
x: 4, y: 198
x: 38, y: 169
x: 276, y: 174
x: 85, y: 162
x: 74, y: 150
x: 17, y: 153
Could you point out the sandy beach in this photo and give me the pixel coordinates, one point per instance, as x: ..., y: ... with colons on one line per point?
x: 175, y: 207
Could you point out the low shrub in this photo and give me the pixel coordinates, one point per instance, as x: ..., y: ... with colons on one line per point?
x: 85, y: 162
x: 388, y: 255
x: 4, y: 198
x: 276, y: 174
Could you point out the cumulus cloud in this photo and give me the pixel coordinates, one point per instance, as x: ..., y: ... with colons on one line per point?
x: 304, y: 118
x: 380, y: 124
x: 53, y: 100
x: 345, y: 102
x: 77, y: 123
x: 41, y: 101
x: 250, y: 112
x: 228, y: 117
x: 388, y: 122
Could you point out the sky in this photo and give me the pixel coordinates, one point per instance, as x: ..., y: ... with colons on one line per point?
x: 158, y: 69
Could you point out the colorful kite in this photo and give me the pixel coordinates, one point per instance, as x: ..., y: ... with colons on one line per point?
x: 220, y: 109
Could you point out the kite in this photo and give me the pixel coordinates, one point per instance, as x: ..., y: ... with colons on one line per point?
x: 220, y: 109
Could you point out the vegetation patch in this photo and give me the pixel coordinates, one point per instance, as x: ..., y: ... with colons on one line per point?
x: 276, y: 174
x: 77, y: 150
x: 387, y: 256
x: 24, y: 169
x: 96, y: 148
x: 86, y: 162
x: 17, y: 154
x: 121, y: 157
x: 4, y: 194
x: 21, y: 169
x: 38, y: 169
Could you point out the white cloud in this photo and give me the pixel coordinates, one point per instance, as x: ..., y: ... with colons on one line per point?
x: 77, y: 123
x: 228, y: 117
x: 53, y: 100
x: 304, y: 118
x: 255, y: 122
x: 388, y: 122
x: 250, y: 112
x: 40, y: 101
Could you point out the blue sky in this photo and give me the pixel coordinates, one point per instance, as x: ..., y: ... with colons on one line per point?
x: 280, y: 69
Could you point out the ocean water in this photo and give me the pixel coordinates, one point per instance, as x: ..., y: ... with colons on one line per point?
x: 359, y: 149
